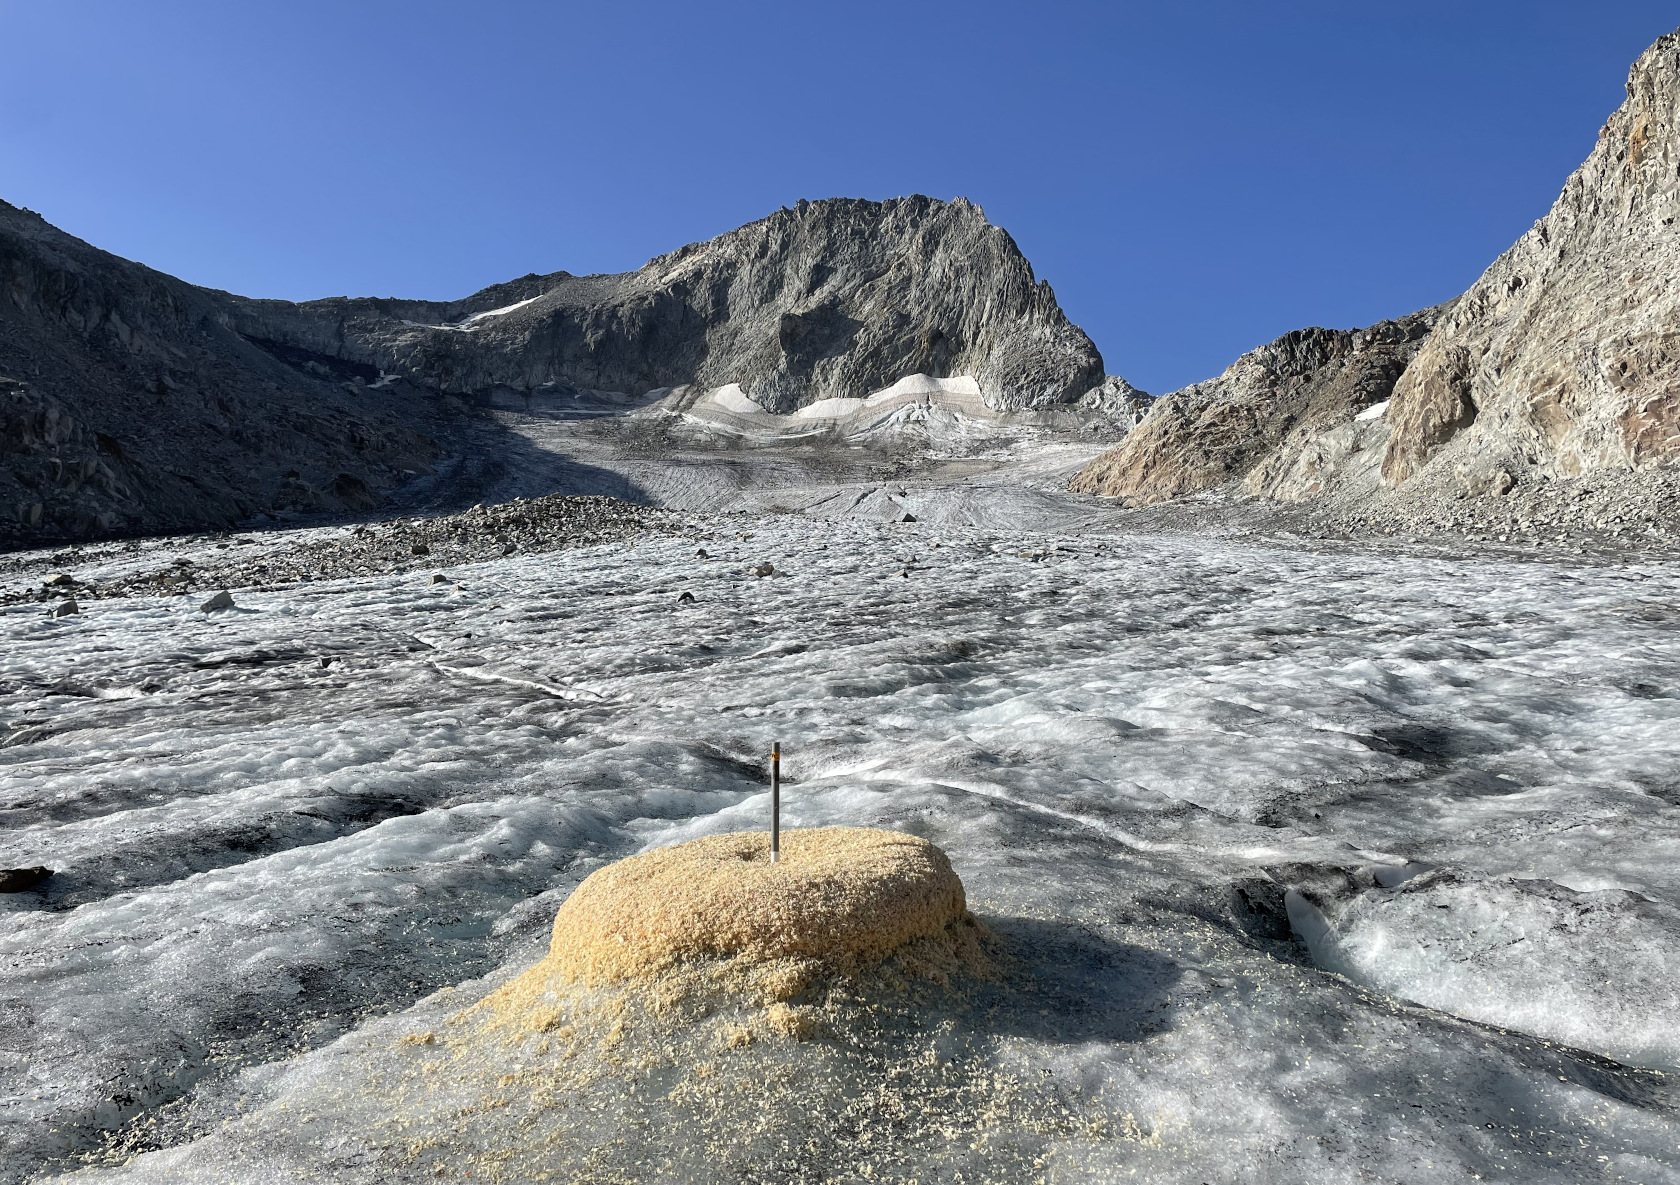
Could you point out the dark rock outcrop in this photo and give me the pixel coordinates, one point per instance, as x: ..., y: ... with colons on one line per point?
x: 832, y: 298
x: 22, y: 880
x: 1565, y: 356
x: 1260, y: 418
x: 127, y: 404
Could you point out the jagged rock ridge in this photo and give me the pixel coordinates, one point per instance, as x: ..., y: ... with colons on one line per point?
x: 1262, y: 418
x: 1564, y: 356
x: 833, y: 298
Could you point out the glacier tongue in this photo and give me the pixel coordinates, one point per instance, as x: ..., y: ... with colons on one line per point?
x: 1134, y: 749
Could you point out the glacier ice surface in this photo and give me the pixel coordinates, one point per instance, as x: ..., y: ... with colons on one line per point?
x: 1327, y: 866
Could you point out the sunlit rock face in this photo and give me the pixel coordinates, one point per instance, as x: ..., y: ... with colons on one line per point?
x: 1565, y: 356
x: 1261, y: 416
x: 830, y: 299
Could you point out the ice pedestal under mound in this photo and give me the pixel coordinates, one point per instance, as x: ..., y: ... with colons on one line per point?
x: 701, y: 1015
x: 699, y: 1004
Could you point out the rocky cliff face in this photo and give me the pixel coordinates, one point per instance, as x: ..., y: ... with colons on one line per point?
x: 127, y: 404
x: 1261, y: 419
x: 1563, y: 359
x: 1565, y: 356
x: 833, y: 298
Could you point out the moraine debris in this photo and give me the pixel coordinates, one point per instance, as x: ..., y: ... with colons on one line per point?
x: 531, y: 526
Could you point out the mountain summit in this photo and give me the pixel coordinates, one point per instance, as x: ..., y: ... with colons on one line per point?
x: 835, y: 298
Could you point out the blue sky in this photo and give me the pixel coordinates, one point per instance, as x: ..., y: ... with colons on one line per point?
x: 1193, y: 178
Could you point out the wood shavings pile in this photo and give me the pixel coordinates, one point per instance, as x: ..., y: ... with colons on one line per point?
x: 848, y: 896
x: 714, y: 914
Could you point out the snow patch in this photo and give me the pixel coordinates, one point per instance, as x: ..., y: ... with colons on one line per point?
x: 468, y: 324
x: 731, y: 398
x: 924, y: 384
x: 829, y: 409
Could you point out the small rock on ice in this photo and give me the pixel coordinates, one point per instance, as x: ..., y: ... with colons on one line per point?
x: 21, y: 880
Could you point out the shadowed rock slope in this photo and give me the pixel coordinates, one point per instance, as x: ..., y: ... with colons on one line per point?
x: 1263, y: 418
x: 1564, y: 357
x: 832, y: 298
x: 127, y: 404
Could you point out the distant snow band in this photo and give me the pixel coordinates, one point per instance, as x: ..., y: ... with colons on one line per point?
x: 729, y: 405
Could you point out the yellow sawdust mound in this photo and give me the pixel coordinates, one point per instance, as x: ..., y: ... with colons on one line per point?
x: 846, y: 896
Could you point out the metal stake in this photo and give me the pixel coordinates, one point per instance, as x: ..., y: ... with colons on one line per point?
x: 775, y: 801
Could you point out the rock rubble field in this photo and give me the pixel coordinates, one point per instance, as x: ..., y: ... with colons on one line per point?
x: 272, y: 560
x: 1608, y: 515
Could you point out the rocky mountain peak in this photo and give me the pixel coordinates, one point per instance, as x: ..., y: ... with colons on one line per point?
x: 136, y: 402
x: 834, y: 298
